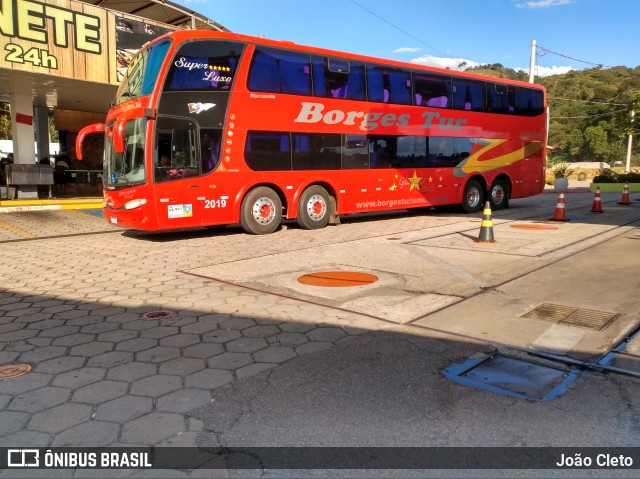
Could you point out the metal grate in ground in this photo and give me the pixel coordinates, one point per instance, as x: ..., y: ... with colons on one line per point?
x: 512, y: 376
x: 571, y: 316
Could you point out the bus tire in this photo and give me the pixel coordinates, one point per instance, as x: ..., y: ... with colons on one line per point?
x: 261, y: 211
x: 314, y: 208
x: 472, y: 197
x: 499, y: 194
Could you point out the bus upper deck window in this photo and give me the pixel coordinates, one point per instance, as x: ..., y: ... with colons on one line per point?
x: 500, y: 98
x: 387, y: 85
x: 280, y: 71
x: 529, y: 102
x: 338, y: 78
x: 468, y: 95
x: 432, y: 90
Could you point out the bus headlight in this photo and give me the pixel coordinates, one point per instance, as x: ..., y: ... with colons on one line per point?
x: 130, y: 205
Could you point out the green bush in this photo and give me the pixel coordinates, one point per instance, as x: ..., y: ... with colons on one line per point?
x: 610, y: 176
x: 562, y: 170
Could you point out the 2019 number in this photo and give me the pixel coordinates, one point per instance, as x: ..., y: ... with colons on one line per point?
x: 215, y: 203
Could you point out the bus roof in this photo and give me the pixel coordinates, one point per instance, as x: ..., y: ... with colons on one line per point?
x: 184, y: 35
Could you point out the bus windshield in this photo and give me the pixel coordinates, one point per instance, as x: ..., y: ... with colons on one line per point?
x: 142, y: 73
x: 123, y: 169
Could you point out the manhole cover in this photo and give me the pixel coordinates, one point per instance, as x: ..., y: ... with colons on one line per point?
x: 157, y: 315
x: 11, y: 371
x: 534, y: 227
x: 337, y: 279
x: 567, y: 315
x: 512, y: 376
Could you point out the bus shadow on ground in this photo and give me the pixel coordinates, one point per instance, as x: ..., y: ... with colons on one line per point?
x: 104, y: 375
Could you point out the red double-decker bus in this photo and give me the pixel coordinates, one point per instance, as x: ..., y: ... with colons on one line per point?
x: 213, y: 128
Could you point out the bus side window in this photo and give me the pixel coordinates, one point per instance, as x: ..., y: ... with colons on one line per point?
x: 440, y: 152
x: 210, y: 149
x: 529, y: 102
x: 268, y: 151
x: 280, y: 71
x: 355, y: 152
x: 338, y: 79
x: 500, y: 98
x: 412, y: 152
x: 375, y: 85
x: 468, y: 95
x: 264, y: 75
x: 386, y: 85
x: 432, y: 90
x: 383, y: 151
x: 316, y: 151
x: 399, y: 87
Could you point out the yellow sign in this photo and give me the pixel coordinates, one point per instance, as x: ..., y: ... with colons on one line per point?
x: 58, y: 37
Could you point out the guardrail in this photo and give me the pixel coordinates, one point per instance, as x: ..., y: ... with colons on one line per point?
x: 86, y: 176
x: 41, y: 176
x: 29, y: 175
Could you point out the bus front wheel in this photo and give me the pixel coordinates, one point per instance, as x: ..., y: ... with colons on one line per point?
x: 473, y: 197
x: 261, y: 211
x: 313, y: 208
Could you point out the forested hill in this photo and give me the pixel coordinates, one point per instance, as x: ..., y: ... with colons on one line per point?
x: 590, y: 111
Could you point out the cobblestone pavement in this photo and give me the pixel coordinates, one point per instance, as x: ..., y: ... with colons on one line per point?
x: 73, y: 308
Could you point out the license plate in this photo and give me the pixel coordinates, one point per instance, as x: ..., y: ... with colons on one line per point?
x: 113, y: 220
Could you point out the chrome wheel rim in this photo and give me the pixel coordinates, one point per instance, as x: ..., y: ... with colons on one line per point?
x: 316, y: 207
x: 264, y: 211
x: 473, y: 197
x: 497, y: 194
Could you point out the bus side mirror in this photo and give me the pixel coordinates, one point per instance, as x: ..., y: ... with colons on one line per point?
x: 118, y: 128
x: 87, y: 130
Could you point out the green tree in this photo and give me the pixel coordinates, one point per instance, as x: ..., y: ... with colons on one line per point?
x: 5, y: 121
x: 597, y: 142
x: 590, y: 112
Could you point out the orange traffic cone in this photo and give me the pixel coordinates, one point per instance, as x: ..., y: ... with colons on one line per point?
x: 624, y: 200
x: 486, y: 228
x: 597, y: 202
x: 559, y: 214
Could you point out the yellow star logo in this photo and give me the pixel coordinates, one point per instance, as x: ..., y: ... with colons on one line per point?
x: 414, y: 180
x: 394, y: 187
x: 430, y: 180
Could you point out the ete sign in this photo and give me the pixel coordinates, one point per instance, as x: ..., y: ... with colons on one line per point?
x: 46, y: 24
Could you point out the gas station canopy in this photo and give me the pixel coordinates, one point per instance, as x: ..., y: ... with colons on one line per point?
x: 70, y: 56
x: 160, y: 11
x: 49, y: 63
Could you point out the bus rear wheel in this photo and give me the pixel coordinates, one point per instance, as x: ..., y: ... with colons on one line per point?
x: 473, y: 197
x: 499, y: 194
x: 313, y: 208
x: 261, y: 211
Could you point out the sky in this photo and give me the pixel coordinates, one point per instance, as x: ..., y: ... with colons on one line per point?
x: 570, y: 34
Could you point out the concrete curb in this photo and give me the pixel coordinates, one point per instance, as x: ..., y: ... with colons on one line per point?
x: 16, y: 206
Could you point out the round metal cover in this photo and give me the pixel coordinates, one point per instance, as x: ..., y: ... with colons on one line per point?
x: 337, y: 279
x: 534, y: 226
x: 10, y: 371
x: 157, y: 315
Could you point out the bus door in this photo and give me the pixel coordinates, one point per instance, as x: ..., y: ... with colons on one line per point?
x: 177, y: 173
x: 532, y: 167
